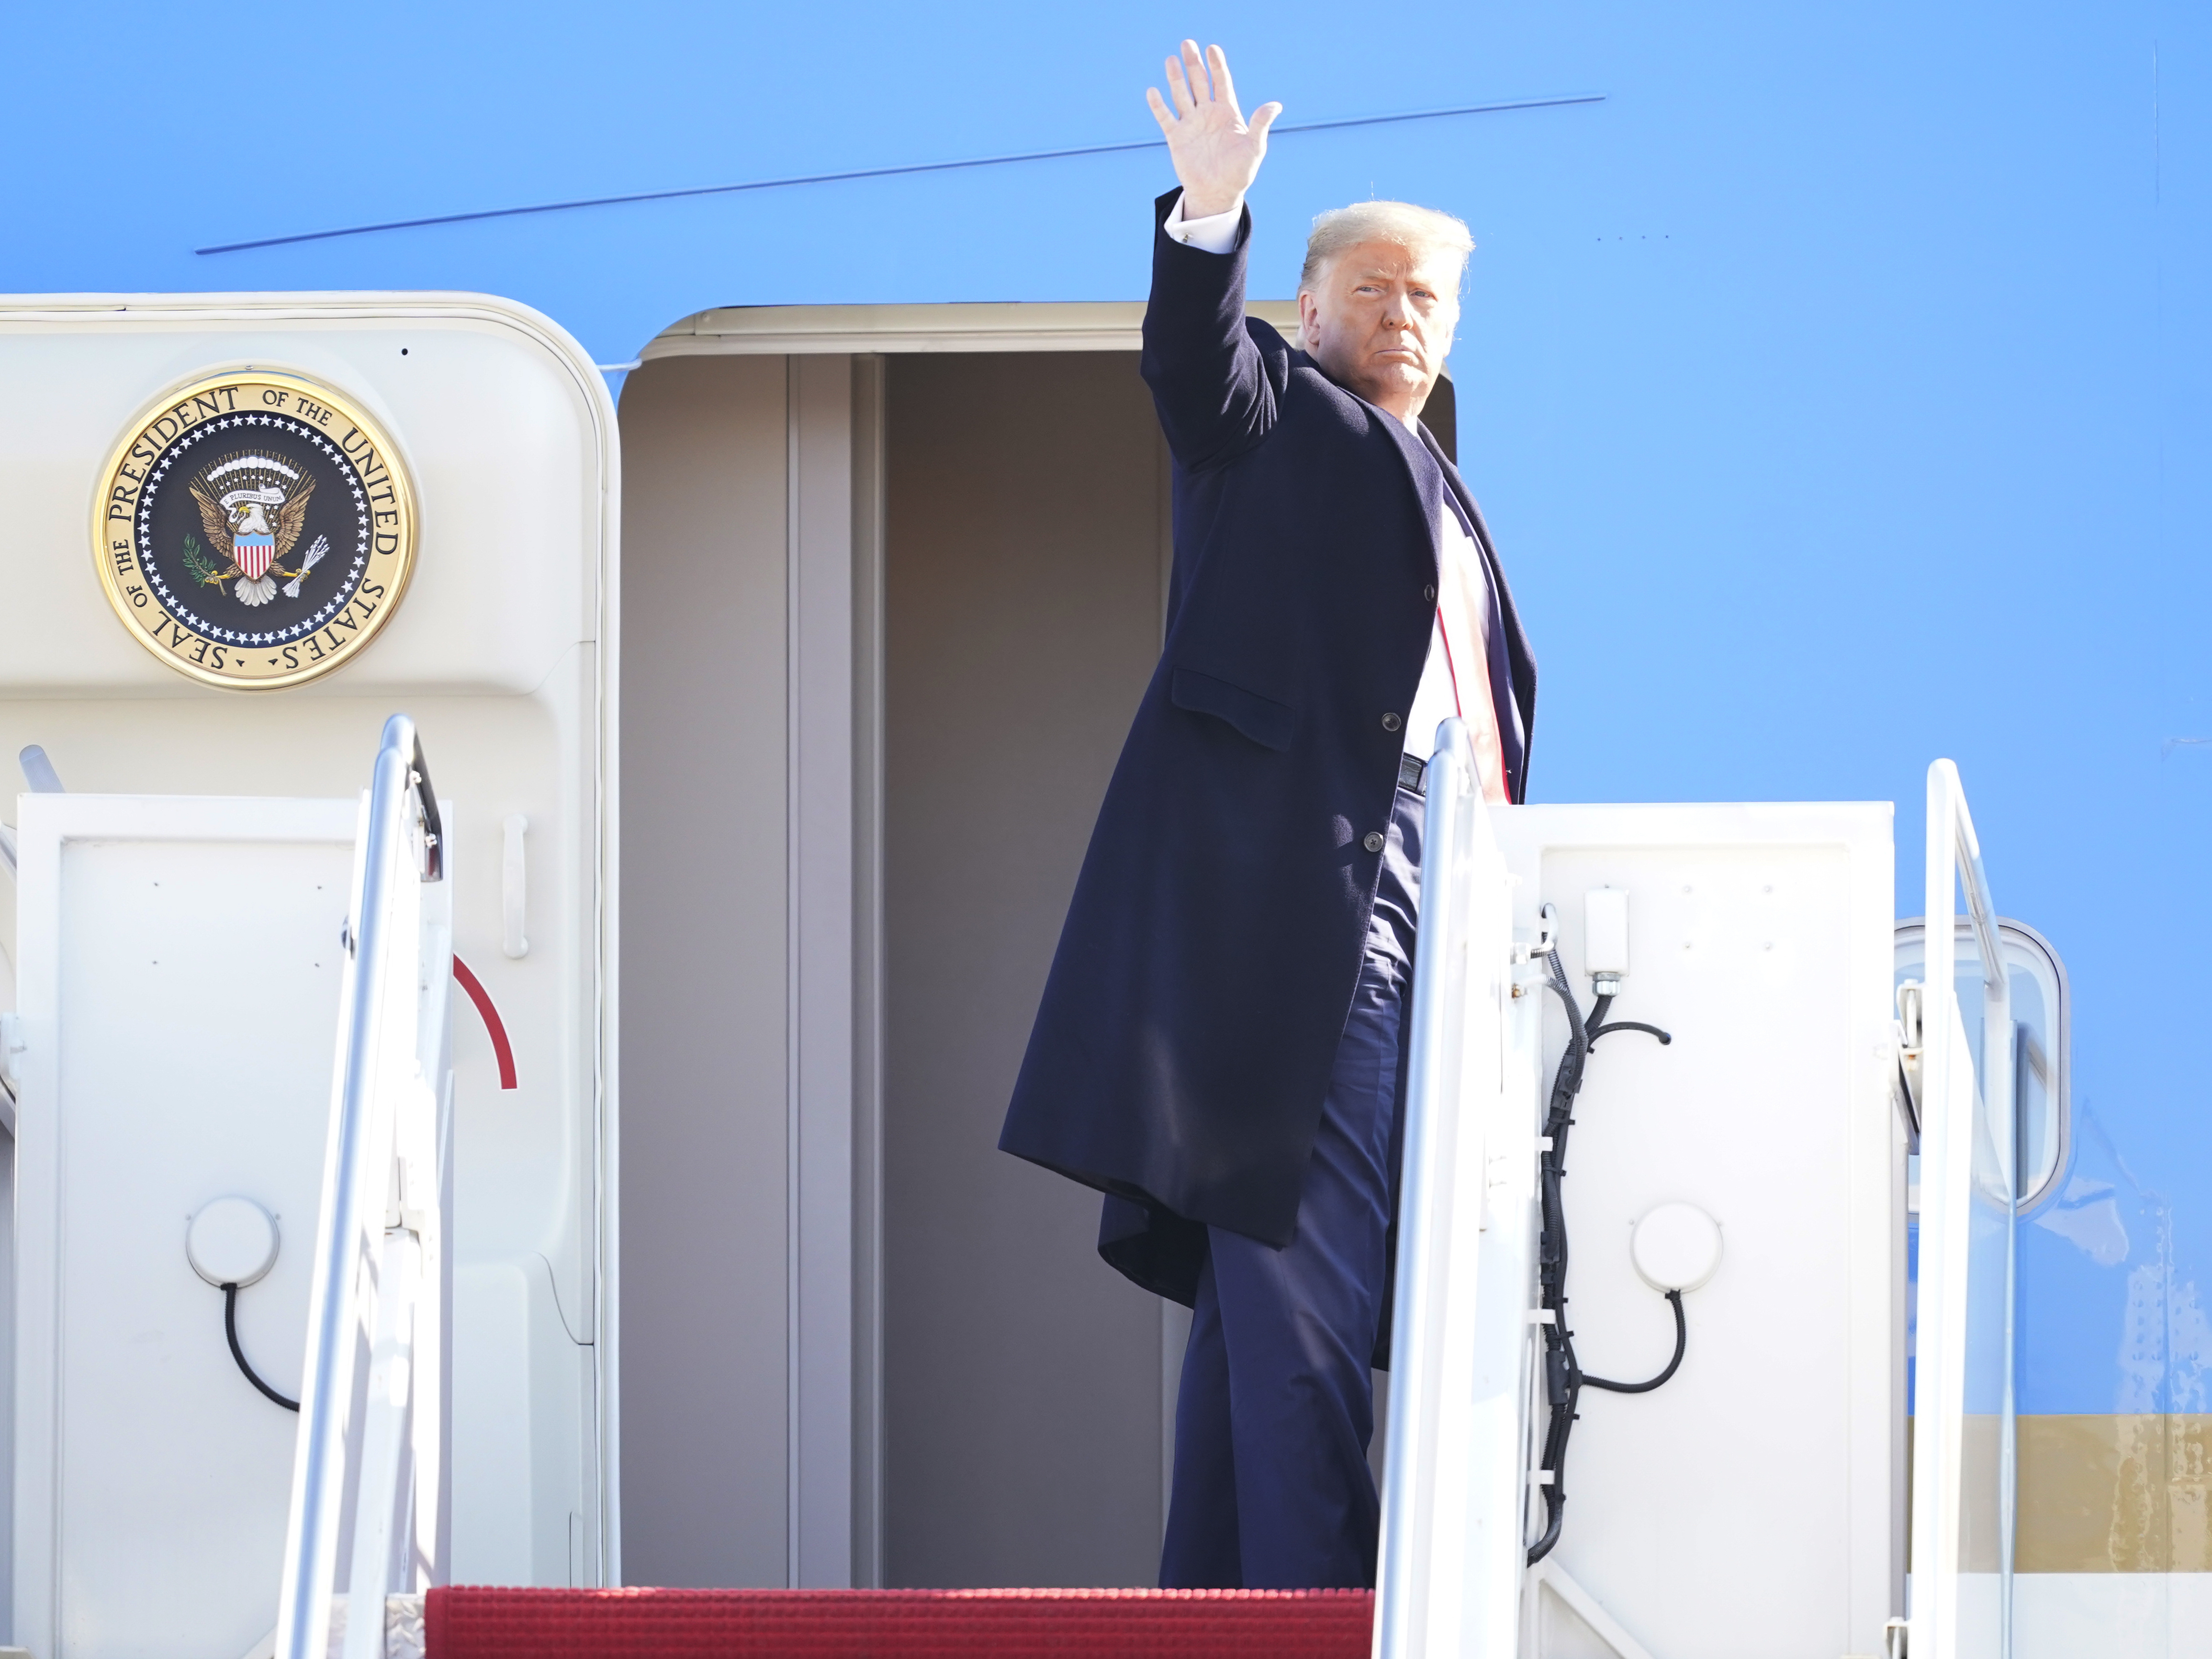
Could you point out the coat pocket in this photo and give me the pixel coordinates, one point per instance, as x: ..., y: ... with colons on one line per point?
x: 1266, y: 723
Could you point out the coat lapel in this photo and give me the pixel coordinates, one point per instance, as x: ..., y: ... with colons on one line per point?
x: 1429, y: 472
x: 1422, y: 471
x: 1521, y: 661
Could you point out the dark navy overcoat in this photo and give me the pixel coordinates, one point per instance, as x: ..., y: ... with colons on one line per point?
x: 1190, y: 1021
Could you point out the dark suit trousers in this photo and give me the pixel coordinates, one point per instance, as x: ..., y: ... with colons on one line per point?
x: 1271, y: 1488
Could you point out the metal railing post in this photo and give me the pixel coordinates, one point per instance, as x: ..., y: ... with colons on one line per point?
x: 1431, y: 1093
x: 1949, y: 1097
x: 362, y: 1248
x: 1450, y: 1564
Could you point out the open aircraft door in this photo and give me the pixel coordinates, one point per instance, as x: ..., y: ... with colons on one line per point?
x: 244, y: 530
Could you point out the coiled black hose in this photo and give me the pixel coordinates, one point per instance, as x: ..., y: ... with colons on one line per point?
x: 1564, y: 1378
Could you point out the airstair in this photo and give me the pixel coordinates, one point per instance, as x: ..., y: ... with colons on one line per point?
x: 1796, y: 1395
x: 1701, y: 993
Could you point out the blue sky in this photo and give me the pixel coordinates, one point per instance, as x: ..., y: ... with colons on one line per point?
x: 1838, y: 387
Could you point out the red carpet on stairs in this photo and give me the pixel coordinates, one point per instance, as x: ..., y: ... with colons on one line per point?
x: 465, y: 1623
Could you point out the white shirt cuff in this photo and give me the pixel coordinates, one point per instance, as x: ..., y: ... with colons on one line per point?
x: 1215, y: 233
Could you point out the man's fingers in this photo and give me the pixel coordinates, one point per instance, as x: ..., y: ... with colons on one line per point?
x: 1177, y: 89
x: 1263, y: 118
x: 1217, y: 63
x: 1194, y: 65
x: 1160, y: 112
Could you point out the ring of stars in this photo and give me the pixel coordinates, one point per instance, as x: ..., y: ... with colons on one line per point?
x: 348, y: 474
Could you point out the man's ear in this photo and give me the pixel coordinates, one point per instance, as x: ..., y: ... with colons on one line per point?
x: 1308, y: 308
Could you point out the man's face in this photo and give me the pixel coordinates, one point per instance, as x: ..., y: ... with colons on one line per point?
x: 1379, y: 322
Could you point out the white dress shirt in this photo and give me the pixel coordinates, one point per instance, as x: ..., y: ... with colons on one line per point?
x: 1215, y: 234
x: 1456, y: 678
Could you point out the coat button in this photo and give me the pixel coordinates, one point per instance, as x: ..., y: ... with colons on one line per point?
x: 1430, y: 593
x: 1374, y: 842
x: 1392, y: 722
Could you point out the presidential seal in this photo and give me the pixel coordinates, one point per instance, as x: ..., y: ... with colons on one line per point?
x: 254, y: 529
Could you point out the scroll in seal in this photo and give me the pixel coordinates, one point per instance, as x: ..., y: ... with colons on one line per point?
x: 254, y: 529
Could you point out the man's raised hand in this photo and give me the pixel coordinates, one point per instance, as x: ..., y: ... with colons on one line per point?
x: 1217, y: 153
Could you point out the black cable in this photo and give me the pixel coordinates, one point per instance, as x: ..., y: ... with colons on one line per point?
x: 1564, y: 1378
x: 1555, y: 1499
x: 1682, y: 1344
x: 230, y: 1330
x: 1560, y: 1391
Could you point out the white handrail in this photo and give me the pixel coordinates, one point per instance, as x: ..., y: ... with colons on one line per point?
x: 1948, y: 1095
x: 378, y: 1205
x: 1450, y: 1566
x: 1431, y: 1072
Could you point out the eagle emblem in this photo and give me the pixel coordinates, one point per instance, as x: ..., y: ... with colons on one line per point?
x: 255, y: 529
x: 253, y: 506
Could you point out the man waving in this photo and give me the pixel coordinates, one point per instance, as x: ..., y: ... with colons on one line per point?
x: 1217, y: 1048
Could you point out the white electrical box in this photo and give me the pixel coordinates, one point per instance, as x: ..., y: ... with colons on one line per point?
x: 1752, y: 1507
x: 1604, y: 931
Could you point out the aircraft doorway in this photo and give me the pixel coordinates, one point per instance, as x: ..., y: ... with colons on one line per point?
x: 1002, y: 1398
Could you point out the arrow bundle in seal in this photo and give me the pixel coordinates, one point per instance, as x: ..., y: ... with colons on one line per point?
x: 314, y: 557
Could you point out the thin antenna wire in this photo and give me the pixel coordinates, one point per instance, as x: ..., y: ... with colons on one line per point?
x: 868, y: 173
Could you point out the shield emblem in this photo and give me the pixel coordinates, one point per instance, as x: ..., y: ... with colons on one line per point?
x: 252, y: 505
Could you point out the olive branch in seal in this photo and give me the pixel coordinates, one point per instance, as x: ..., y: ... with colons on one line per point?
x: 202, y: 568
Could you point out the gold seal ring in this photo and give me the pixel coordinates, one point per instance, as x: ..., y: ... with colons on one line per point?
x: 254, y: 529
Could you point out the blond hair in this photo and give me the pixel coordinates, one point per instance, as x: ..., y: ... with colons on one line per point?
x: 1417, y: 229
